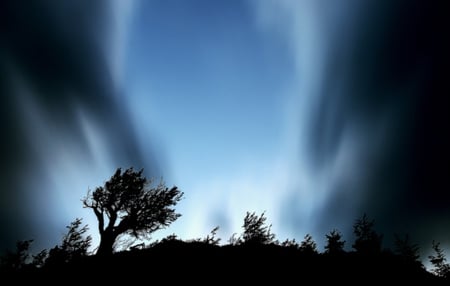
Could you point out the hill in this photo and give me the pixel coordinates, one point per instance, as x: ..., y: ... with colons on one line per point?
x: 174, y: 261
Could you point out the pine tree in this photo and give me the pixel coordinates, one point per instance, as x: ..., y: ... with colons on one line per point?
x: 367, y: 240
x: 335, y: 244
x: 308, y: 245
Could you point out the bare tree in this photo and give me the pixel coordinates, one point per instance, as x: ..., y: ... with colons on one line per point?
x: 125, y: 205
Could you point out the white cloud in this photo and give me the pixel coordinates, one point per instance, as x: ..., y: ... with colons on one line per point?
x: 122, y: 15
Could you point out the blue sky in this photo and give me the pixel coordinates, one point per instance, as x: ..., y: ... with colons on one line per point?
x: 210, y: 85
x: 208, y: 81
x: 223, y: 92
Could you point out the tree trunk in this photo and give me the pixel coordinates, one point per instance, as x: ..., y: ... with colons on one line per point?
x: 107, y: 239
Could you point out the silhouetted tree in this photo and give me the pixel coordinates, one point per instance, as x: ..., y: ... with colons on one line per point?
x: 441, y: 268
x: 308, y: 245
x: 335, y: 244
x: 406, y: 249
x: 19, y: 259
x: 255, y: 229
x: 130, y: 207
x: 367, y: 240
x: 74, y: 244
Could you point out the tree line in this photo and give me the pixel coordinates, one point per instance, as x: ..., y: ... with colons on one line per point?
x: 130, y: 205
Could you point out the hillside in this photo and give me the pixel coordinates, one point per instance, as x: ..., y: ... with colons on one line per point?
x: 174, y: 261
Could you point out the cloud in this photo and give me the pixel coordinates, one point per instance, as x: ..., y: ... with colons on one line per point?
x: 63, y: 119
x: 370, y: 105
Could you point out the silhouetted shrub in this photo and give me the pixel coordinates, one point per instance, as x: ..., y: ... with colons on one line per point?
x: 40, y: 259
x: 290, y: 243
x: 255, y: 229
x: 211, y: 237
x: 170, y: 237
x: 19, y: 259
x: 74, y: 244
x: 234, y: 239
x: 440, y: 267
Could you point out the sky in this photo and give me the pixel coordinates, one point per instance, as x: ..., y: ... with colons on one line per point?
x: 312, y: 111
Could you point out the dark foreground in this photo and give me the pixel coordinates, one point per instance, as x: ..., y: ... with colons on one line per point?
x: 200, y: 263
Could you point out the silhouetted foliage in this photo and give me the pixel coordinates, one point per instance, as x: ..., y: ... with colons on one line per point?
x: 127, y: 209
x: 170, y: 237
x: 281, y: 261
x: 308, y: 245
x: 211, y: 237
x: 407, y: 250
x: 234, y: 239
x: 334, y: 244
x: 20, y: 258
x: 441, y: 268
x: 74, y: 244
x: 290, y: 243
x: 255, y: 229
x: 131, y: 207
x: 367, y: 240
x: 40, y: 259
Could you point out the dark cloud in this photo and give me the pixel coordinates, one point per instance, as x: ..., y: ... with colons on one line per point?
x: 55, y: 52
x: 391, y: 76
